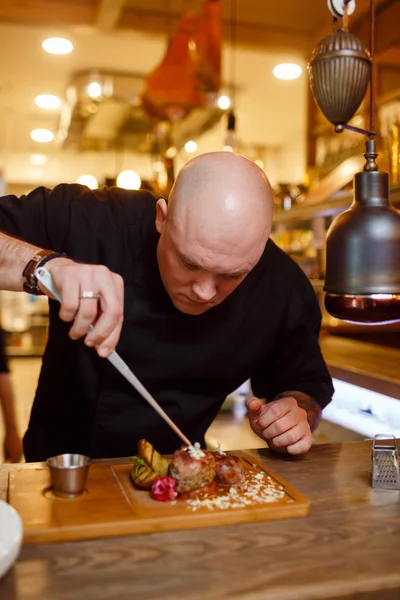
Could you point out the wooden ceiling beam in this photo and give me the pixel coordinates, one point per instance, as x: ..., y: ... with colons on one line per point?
x: 48, y: 12
x: 387, y: 30
x: 109, y: 14
x: 248, y: 34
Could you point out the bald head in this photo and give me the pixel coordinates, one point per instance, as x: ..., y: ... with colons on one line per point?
x: 222, y: 194
x: 218, y: 221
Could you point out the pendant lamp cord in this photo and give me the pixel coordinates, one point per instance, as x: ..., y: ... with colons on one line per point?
x: 233, y: 40
x: 373, y: 67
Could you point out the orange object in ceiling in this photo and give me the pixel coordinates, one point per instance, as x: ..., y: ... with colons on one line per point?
x: 191, y: 69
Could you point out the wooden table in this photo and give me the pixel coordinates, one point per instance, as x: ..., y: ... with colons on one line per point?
x: 347, y: 548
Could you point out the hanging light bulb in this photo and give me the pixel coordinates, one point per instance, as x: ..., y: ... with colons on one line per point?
x: 224, y: 102
x: 362, y: 281
x: 190, y: 146
x: 94, y: 90
x: 89, y: 180
x: 129, y: 180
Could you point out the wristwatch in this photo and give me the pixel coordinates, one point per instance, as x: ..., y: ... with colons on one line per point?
x: 31, y: 285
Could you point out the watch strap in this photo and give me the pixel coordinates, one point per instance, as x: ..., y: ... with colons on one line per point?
x: 31, y: 285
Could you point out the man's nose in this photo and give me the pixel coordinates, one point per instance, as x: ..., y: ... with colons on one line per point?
x: 205, y: 289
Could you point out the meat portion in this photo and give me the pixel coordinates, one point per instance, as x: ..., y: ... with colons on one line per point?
x: 192, y: 473
x: 229, y: 470
x: 208, y: 491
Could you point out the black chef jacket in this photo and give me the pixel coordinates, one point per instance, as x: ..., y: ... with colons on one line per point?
x: 266, y: 330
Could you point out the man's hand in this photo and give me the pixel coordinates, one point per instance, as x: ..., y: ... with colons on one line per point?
x: 282, y: 424
x: 104, y: 311
x: 12, y: 446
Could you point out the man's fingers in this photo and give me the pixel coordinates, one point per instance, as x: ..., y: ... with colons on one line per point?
x: 302, y: 446
x: 275, y: 410
x: 289, y: 438
x: 253, y: 405
x: 70, y: 303
x: 278, y: 427
x: 104, y: 313
x: 86, y: 315
x: 108, y: 345
x: 110, y: 315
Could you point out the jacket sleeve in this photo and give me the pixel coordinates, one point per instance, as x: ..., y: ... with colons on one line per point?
x: 296, y: 362
x: 41, y: 218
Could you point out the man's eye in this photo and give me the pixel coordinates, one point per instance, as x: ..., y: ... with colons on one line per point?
x: 190, y: 266
x: 233, y: 277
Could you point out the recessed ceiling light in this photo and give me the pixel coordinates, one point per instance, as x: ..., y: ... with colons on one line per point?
x: 94, y: 89
x: 287, y: 71
x: 42, y: 135
x: 129, y: 180
x: 224, y: 102
x: 89, y: 180
x: 38, y: 159
x: 48, y: 101
x: 191, y: 146
x: 57, y: 46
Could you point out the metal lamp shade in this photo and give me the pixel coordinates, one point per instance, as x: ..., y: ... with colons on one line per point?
x: 339, y: 71
x: 363, y: 255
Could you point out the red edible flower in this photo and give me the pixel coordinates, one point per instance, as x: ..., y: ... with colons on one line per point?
x: 164, y: 489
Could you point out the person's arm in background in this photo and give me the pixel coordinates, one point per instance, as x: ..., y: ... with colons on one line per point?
x: 12, y: 442
x: 296, y: 384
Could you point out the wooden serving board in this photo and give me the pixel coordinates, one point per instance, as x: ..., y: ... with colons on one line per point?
x: 111, y: 506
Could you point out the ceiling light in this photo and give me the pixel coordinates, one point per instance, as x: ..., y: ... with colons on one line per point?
x: 94, y: 90
x: 48, y: 101
x: 227, y: 149
x: 191, y: 146
x: 224, y: 102
x: 287, y: 71
x: 129, y: 180
x: 57, y: 46
x: 89, y: 180
x: 42, y: 135
x: 38, y: 159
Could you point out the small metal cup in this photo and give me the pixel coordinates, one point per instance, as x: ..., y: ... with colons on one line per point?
x: 69, y: 474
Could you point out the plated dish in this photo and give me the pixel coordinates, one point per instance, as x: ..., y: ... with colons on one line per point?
x: 201, y: 478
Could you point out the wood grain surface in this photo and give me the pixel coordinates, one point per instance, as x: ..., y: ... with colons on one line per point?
x: 346, y: 549
x: 367, y: 365
x: 111, y: 506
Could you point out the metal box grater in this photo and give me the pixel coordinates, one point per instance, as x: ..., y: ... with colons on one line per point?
x: 385, y: 463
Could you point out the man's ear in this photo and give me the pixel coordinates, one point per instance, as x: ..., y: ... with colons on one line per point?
x: 161, y: 215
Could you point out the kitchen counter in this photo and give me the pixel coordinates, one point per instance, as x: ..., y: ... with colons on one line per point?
x: 367, y: 365
x: 347, y: 548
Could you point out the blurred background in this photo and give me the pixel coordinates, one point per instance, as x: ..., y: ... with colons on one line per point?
x: 124, y: 92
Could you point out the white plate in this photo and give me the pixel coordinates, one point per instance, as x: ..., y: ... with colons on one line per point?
x: 11, y: 533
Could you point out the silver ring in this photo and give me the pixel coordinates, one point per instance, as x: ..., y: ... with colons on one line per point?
x: 88, y: 295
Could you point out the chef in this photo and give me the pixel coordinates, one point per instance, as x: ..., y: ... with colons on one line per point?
x: 193, y: 294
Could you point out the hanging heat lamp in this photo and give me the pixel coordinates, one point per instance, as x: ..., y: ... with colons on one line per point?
x: 362, y: 282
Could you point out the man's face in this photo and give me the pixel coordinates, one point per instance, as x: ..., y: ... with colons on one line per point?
x: 198, y: 277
